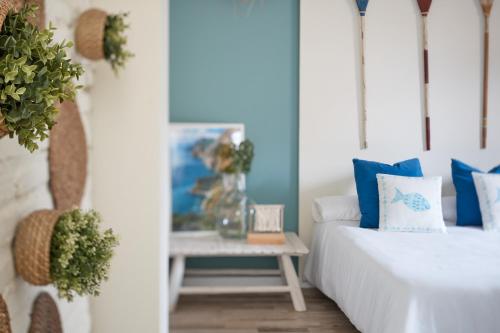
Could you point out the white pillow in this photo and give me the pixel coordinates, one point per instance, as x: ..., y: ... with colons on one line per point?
x: 488, y: 193
x: 410, y: 204
x: 450, y: 208
x: 336, y: 208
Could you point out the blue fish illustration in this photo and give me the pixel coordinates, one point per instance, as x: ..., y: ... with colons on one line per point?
x: 414, y: 201
x: 498, y: 196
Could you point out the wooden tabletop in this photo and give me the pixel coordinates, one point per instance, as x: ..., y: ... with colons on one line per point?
x: 214, y: 246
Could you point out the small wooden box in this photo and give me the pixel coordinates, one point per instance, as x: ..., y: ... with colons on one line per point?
x: 266, y: 238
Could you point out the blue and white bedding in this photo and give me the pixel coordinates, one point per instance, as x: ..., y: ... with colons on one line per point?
x: 409, y: 282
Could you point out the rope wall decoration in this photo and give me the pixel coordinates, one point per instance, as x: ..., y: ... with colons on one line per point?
x: 486, y: 5
x: 68, y: 158
x: 425, y: 5
x: 4, y: 317
x: 362, y: 6
x: 45, y: 315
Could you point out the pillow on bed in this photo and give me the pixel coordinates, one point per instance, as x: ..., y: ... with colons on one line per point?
x: 488, y: 193
x: 365, y: 174
x: 468, y: 211
x: 410, y: 204
x: 336, y: 208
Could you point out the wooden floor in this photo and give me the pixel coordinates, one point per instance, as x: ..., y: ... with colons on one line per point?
x: 258, y: 314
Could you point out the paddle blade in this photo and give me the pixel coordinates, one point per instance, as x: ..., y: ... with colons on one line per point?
x: 424, y: 5
x: 486, y: 5
x: 362, y: 5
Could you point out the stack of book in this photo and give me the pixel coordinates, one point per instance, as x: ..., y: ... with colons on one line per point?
x: 266, y: 238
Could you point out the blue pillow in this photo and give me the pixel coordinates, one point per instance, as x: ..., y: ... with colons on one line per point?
x: 365, y: 174
x: 468, y: 211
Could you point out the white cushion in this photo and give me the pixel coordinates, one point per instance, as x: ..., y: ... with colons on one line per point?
x: 450, y: 208
x: 336, y: 208
x: 488, y: 193
x: 410, y: 204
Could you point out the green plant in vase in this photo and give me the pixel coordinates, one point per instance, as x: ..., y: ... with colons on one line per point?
x: 35, y: 75
x: 234, y: 209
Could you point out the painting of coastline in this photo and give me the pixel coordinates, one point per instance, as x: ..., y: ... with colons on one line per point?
x: 195, y: 184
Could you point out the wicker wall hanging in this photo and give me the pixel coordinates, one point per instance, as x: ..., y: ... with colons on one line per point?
x: 45, y: 316
x: 4, y: 317
x: 39, y: 20
x: 486, y: 6
x: 425, y: 6
x: 362, y: 6
x: 89, y: 35
x: 68, y: 158
x: 32, y: 246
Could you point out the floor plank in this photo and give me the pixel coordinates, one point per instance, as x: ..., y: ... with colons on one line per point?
x: 258, y: 314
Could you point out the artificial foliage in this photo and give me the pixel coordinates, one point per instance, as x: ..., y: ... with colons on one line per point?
x: 115, y: 41
x: 35, y: 74
x: 234, y: 159
x: 80, y: 254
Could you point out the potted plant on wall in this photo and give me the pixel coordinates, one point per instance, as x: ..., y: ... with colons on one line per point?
x: 101, y: 36
x: 35, y: 74
x: 66, y: 249
x: 233, y: 209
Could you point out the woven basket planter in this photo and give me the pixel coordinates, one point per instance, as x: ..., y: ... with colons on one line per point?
x: 89, y: 34
x: 4, y: 317
x: 32, y: 246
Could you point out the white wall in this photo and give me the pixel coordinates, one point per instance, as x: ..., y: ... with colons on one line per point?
x: 129, y: 172
x: 329, y: 91
x: 24, y: 183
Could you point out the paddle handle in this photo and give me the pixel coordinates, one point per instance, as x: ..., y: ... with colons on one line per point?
x: 364, y: 113
x: 486, y: 60
x: 426, y: 84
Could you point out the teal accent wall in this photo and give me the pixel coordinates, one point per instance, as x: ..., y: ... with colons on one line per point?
x: 230, y: 65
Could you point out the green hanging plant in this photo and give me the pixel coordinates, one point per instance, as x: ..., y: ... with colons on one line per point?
x: 80, y: 254
x: 35, y: 74
x: 115, y: 41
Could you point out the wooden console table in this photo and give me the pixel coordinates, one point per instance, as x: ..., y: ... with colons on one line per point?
x: 182, y: 247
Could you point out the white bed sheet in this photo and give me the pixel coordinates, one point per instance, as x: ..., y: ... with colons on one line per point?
x: 409, y: 282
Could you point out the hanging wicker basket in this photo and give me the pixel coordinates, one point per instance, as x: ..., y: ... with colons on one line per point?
x: 45, y: 316
x: 3, y: 129
x: 32, y: 246
x: 89, y: 34
x: 5, y: 6
x: 4, y: 317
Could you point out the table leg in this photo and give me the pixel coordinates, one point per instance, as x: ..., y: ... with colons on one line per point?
x: 293, y: 282
x: 176, y: 276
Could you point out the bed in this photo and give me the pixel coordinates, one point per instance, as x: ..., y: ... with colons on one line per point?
x: 409, y: 282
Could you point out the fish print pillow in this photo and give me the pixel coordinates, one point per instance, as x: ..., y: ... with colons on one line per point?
x: 488, y: 193
x: 411, y: 204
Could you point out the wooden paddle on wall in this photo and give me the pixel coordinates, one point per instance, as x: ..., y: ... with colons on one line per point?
x: 425, y: 5
x: 362, y: 5
x: 486, y: 5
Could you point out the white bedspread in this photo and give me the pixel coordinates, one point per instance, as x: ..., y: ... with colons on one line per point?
x: 409, y: 282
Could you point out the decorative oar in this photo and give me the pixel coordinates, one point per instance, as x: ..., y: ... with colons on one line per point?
x: 425, y: 5
x: 362, y: 5
x: 486, y: 5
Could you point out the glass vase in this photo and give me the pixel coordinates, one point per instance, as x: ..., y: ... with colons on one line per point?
x: 234, y: 209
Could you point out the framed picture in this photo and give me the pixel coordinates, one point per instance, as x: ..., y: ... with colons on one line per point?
x: 195, y: 184
x: 268, y: 218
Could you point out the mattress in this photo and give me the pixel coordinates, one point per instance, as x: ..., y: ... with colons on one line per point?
x: 409, y: 282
